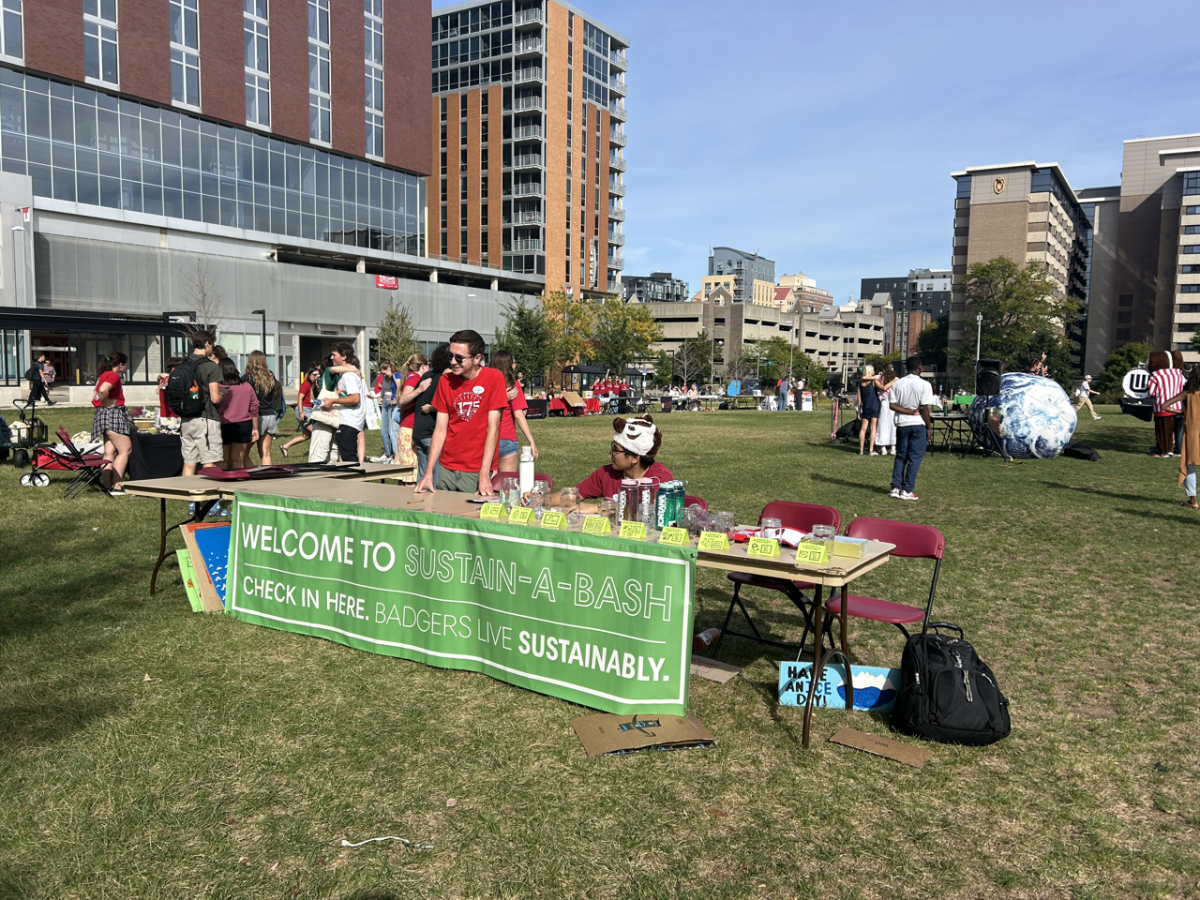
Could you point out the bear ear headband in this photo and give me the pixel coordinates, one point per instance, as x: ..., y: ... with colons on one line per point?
x: 639, y: 435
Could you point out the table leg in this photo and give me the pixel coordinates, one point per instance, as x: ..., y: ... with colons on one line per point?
x: 820, y: 658
x: 202, y: 510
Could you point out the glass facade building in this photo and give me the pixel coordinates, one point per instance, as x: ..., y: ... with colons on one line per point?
x: 83, y: 145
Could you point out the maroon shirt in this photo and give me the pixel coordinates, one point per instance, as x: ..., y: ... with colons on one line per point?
x: 606, y: 481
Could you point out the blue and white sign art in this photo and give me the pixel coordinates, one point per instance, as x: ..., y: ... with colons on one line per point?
x: 1031, y: 418
x: 874, y: 687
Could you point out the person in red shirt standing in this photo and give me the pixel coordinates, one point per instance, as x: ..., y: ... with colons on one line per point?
x: 465, y: 446
x: 1166, y: 381
x: 112, y: 423
x: 511, y: 416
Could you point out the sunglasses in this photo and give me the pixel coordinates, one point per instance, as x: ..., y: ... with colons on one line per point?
x: 460, y: 359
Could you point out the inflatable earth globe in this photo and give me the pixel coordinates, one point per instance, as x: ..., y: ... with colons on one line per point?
x: 1031, y: 418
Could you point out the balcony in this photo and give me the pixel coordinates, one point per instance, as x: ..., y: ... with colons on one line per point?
x: 617, y: 190
x: 617, y: 86
x: 533, y: 73
x: 617, y: 239
x: 523, y: 103
x: 527, y: 244
x: 615, y: 262
x: 617, y: 165
x: 525, y: 132
x: 616, y: 215
x: 525, y: 16
x: 528, y: 46
x: 526, y: 190
x: 617, y: 58
x: 618, y: 113
x: 616, y: 138
x: 526, y: 217
x: 528, y: 161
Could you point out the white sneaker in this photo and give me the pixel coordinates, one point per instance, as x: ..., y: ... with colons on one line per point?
x: 895, y: 494
x: 908, y: 495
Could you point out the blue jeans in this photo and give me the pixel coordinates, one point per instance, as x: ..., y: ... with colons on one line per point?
x: 783, y: 403
x: 910, y: 450
x: 421, y: 448
x: 389, y: 430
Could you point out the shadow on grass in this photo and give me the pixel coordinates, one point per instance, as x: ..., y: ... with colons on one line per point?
x: 1092, y: 491
x: 1183, y: 518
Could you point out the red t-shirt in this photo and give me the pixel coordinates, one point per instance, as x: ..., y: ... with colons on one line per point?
x: 115, y: 394
x: 406, y: 421
x: 306, y: 400
x: 606, y: 481
x: 468, y: 403
x: 508, y: 428
x: 164, y: 411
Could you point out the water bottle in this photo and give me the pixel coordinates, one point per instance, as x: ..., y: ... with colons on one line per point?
x: 526, y: 469
x: 705, y: 639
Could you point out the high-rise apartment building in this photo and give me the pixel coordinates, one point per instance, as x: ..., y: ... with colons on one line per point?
x: 657, y: 287
x: 528, y: 142
x: 805, y: 291
x: 918, y: 299
x: 259, y: 164
x: 753, y: 276
x: 1027, y: 212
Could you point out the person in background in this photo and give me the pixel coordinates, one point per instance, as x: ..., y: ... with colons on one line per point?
x: 885, y: 432
x: 323, y: 447
x: 633, y: 453
x: 424, y: 415
x: 39, y: 390
x: 512, y: 416
x: 239, y: 416
x: 1083, y: 396
x: 165, y: 413
x: 218, y: 353
x: 1166, y: 381
x: 271, y: 404
x: 416, y: 370
x: 911, y: 397
x: 201, y: 434
x: 304, y: 406
x: 111, y: 423
x: 389, y: 429
x: 784, y: 390
x: 868, y: 409
x: 465, y: 446
x: 1189, y: 448
x: 351, y: 391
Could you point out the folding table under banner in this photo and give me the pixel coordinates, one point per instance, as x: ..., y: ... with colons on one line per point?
x: 602, y: 622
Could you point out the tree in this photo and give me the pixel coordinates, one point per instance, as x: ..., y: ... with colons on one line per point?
x: 570, y: 323
x: 621, y: 333
x: 1016, y: 303
x: 204, y: 297
x: 1120, y: 361
x: 396, y: 334
x: 880, y: 362
x: 663, y: 370
x: 814, y: 380
x: 694, y: 358
x: 932, y: 343
x: 525, y: 334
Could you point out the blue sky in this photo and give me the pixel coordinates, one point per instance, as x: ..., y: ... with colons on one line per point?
x: 825, y: 134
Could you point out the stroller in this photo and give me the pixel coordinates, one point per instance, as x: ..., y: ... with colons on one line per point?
x: 22, y: 436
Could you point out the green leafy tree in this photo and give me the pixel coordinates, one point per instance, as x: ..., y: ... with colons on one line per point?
x: 880, y: 362
x: 1120, y: 361
x: 932, y: 343
x: 1021, y: 308
x: 571, y: 322
x: 621, y: 333
x: 396, y: 333
x: 525, y: 334
x: 772, y: 358
x: 814, y: 380
x: 663, y: 370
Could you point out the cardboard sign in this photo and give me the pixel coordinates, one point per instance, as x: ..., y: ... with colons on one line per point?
x: 555, y: 520
x: 633, y: 531
x: 676, y: 537
x: 597, y: 525
x: 520, y: 515
x: 714, y: 540
x: 713, y: 669
x: 765, y: 548
x: 815, y: 552
x: 874, y: 687
x: 492, y: 511
x: 605, y: 734
x: 885, y: 747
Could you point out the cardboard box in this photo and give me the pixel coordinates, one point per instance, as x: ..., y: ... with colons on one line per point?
x: 606, y: 734
x: 848, y: 546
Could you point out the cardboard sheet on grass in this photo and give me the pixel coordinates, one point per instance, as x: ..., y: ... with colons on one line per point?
x: 605, y: 734
x: 598, y: 621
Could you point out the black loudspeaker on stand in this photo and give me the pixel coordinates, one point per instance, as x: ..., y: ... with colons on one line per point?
x: 987, y: 377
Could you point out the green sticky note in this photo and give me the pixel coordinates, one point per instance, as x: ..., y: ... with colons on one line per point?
x: 676, y: 537
x: 766, y: 548
x: 555, y: 520
x: 816, y: 552
x: 633, y: 531
x: 520, y: 515
x: 597, y: 525
x: 714, y: 540
x: 493, y: 511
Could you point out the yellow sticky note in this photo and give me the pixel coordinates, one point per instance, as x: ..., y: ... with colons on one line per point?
x: 816, y: 552
x: 676, y: 537
x: 766, y: 548
x: 520, y: 515
x: 555, y: 520
x: 714, y: 540
x: 597, y: 525
x: 492, y: 511
x: 633, y: 531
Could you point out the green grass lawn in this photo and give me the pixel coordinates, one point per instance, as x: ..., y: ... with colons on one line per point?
x: 149, y: 752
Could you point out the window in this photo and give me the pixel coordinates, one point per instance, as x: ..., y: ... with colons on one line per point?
x: 1189, y: 249
x: 1191, y: 210
x: 1124, y: 318
x: 1188, y: 308
x: 1191, y: 183
x: 1191, y: 229
x: 1189, y: 289
x: 373, y: 59
x: 12, y: 42
x: 1189, y: 270
x: 185, y: 52
x: 258, y: 63
x: 99, y: 40
x: 319, y: 97
x: 1125, y: 300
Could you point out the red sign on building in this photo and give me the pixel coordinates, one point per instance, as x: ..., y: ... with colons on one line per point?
x: 387, y: 282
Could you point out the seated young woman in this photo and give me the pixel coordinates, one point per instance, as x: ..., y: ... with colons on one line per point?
x: 634, y: 451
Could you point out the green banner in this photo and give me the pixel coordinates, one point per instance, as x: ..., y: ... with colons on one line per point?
x: 602, y: 622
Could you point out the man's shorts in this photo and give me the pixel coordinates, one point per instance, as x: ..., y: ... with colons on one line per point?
x: 463, y: 482
x: 201, y: 440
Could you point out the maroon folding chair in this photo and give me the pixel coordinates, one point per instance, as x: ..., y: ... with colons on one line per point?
x: 88, y: 467
x: 912, y: 542
x: 802, y: 517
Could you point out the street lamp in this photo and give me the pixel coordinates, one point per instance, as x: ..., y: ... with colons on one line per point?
x: 712, y: 359
x: 263, y: 313
x: 978, y: 335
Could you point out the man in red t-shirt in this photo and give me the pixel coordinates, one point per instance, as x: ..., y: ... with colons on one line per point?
x: 466, y: 439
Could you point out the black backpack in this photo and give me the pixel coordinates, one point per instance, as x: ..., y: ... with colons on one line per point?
x: 947, y: 693
x: 182, y: 392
